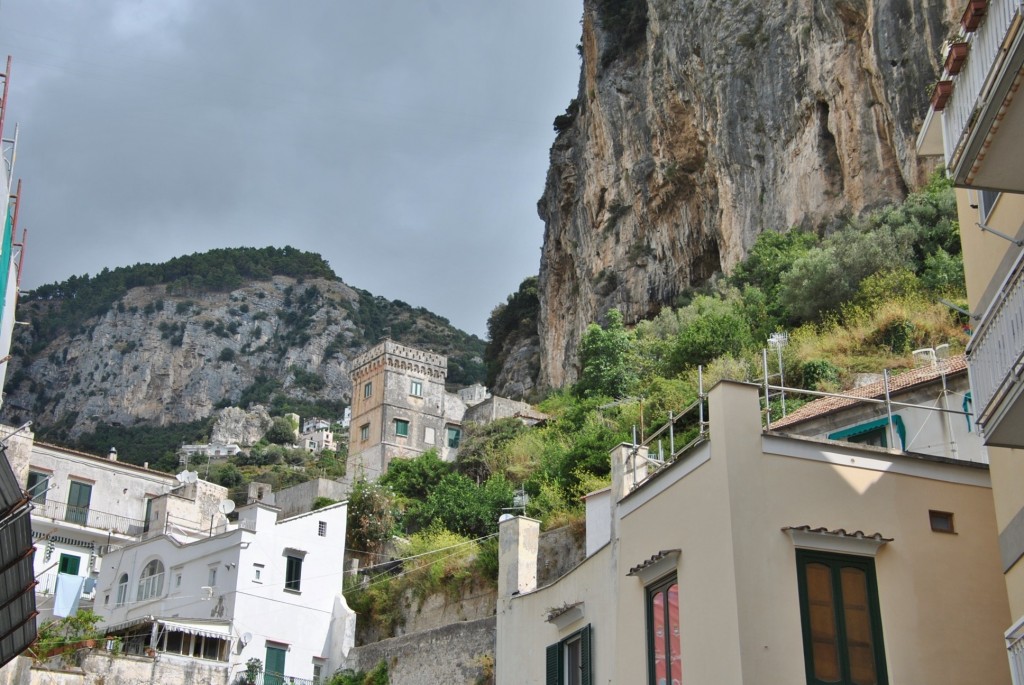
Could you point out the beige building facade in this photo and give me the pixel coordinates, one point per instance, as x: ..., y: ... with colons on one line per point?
x: 761, y: 557
x: 979, y: 132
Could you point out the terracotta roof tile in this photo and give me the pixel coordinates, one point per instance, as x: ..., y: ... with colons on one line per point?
x: 826, y: 405
x: 840, y: 533
x: 653, y: 560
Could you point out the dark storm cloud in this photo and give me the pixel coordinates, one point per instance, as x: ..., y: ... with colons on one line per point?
x: 404, y: 141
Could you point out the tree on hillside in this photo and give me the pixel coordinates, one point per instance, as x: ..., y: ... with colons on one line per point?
x: 606, y: 360
x: 281, y: 431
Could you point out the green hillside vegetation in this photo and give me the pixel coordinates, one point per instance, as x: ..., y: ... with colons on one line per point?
x: 82, y: 297
x: 858, y: 300
x: 70, y: 307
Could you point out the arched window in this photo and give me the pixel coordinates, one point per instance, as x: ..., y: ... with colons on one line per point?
x: 151, y: 582
x: 122, y: 590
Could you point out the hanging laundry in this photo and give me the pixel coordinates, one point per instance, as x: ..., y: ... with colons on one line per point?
x: 67, y: 594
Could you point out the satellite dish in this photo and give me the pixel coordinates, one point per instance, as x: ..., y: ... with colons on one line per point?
x: 226, y: 506
x: 181, y: 477
x: 505, y: 517
x: 246, y: 638
x: 191, y: 476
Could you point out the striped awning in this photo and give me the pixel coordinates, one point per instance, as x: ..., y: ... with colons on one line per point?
x: 217, y: 630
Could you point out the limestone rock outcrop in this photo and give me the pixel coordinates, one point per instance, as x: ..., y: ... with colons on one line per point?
x: 160, y: 357
x: 238, y: 426
x: 701, y: 123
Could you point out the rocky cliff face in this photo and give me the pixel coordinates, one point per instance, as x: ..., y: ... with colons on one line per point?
x: 160, y: 358
x: 699, y: 124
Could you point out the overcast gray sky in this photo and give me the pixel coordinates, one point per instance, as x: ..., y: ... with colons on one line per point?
x: 404, y: 140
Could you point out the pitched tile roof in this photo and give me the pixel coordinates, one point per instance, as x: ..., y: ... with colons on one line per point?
x: 955, y: 364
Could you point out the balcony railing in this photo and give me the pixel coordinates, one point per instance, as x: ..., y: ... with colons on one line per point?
x: 996, y: 352
x: 277, y: 679
x: 973, y: 81
x: 1015, y: 650
x: 90, y: 518
x: 48, y: 585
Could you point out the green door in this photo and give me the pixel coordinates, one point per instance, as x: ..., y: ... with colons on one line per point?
x: 78, y: 503
x: 273, y: 673
x: 69, y: 564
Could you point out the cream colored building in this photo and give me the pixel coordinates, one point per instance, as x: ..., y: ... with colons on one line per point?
x: 979, y: 132
x: 763, y: 558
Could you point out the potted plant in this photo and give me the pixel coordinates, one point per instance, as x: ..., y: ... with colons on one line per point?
x: 956, y: 56
x: 940, y: 95
x: 973, y: 15
x: 253, y: 668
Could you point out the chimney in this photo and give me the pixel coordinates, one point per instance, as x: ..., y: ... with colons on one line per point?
x: 518, y: 538
x: 113, y: 454
x: 629, y: 467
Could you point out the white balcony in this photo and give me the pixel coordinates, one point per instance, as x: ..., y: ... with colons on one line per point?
x: 982, y: 123
x: 996, y: 363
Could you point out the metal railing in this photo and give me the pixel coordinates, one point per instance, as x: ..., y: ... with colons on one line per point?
x: 277, y: 679
x: 1015, y: 650
x: 971, y: 86
x: 996, y: 350
x: 48, y: 585
x: 90, y: 518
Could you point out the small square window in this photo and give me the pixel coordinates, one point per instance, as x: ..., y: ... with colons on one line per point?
x: 322, y: 529
x: 257, y: 573
x: 941, y: 521
x: 416, y: 388
x: 364, y: 432
x: 402, y: 428
x: 368, y: 389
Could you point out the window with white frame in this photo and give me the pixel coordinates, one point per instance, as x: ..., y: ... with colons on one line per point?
x: 122, y: 590
x: 151, y: 582
x: 416, y: 388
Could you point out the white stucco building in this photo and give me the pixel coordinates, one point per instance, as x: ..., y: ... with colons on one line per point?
x: 260, y: 588
x: 83, y: 506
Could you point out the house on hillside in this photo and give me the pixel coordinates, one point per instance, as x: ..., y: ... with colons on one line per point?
x: 765, y: 557
x: 84, y: 506
x: 976, y: 123
x: 400, y: 408
x: 212, y: 451
x: 929, y: 413
x: 263, y: 587
x: 316, y: 435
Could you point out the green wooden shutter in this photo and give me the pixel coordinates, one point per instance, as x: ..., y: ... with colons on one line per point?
x: 585, y: 660
x: 554, y: 665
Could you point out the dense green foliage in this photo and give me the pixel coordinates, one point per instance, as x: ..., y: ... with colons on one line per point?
x: 607, y: 365
x: 509, y: 324
x: 378, y: 675
x: 281, y: 431
x: 431, y: 492
x: 83, y: 297
x: 142, y: 443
